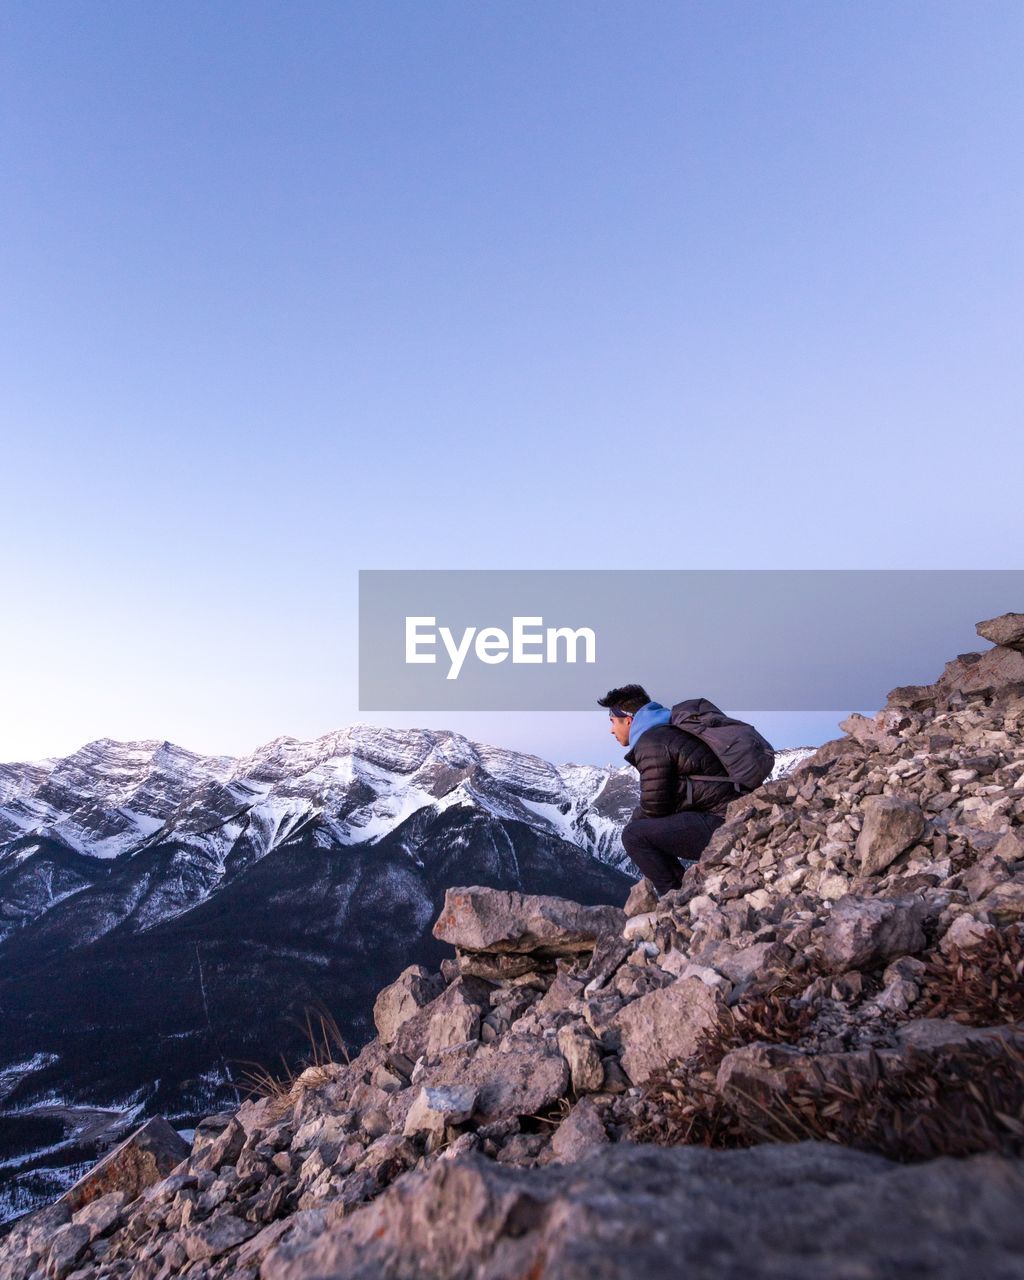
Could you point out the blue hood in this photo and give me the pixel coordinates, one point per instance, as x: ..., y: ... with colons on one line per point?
x: 649, y: 715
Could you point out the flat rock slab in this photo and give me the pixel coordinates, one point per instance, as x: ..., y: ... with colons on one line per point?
x: 500, y: 920
x: 800, y: 1211
x: 1007, y: 629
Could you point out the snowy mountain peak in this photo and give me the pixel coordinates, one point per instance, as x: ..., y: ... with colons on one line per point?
x: 111, y: 799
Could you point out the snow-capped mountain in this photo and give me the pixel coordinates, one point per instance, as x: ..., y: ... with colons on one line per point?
x: 114, y: 800
x: 166, y: 916
x: 111, y: 798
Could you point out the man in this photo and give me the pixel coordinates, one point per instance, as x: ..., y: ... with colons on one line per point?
x: 675, y: 818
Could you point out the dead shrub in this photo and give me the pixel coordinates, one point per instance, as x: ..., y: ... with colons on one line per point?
x: 981, y: 987
x: 318, y: 1065
x: 923, y: 1103
x: 680, y: 1104
x: 953, y: 1102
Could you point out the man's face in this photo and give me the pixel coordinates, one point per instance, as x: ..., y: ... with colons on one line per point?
x: 620, y: 728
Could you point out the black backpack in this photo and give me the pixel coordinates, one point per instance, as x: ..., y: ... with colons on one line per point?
x: 747, y: 757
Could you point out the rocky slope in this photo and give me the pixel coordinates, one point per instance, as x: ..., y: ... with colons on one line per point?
x: 166, y: 917
x: 842, y: 974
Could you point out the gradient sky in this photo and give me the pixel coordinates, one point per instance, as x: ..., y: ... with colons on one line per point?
x: 294, y: 289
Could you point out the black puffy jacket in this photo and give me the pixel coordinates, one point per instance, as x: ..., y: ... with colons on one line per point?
x: 664, y: 756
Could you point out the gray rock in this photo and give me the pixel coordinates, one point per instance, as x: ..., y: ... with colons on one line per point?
x: 146, y: 1156
x: 1007, y: 630
x: 451, y: 1018
x: 665, y: 1024
x: 890, y: 826
x: 388, y: 1154
x: 581, y: 1131
x: 1010, y: 847
x: 1004, y: 903
x: 640, y: 926
x: 225, y: 1148
x: 965, y: 933
x: 642, y: 898
x: 210, y: 1127
x: 66, y: 1246
x: 217, y: 1236
x: 758, y: 1079
x: 741, y: 966
x: 982, y: 876
x: 441, y: 1105
x: 102, y: 1214
x: 943, y: 1033
x: 520, y: 1076
x: 454, y: 1018
x: 862, y: 933
x: 414, y: 987
x: 802, y: 1211
x: 583, y: 1054
x: 870, y: 733
x: 499, y: 920
x: 497, y: 968
x: 564, y: 993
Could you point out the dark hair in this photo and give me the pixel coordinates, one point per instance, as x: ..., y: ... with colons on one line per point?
x: 629, y: 698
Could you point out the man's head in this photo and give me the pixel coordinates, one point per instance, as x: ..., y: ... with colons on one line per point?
x: 622, y: 704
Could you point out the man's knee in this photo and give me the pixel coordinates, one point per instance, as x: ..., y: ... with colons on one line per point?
x: 632, y: 835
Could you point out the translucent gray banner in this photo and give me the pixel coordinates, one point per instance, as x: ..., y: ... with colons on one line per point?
x: 760, y: 640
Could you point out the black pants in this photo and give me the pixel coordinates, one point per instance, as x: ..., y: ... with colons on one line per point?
x: 657, y: 844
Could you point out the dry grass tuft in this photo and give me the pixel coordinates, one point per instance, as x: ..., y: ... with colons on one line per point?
x: 319, y: 1065
x: 915, y: 1106
x: 954, y: 1102
x: 680, y: 1103
x: 980, y: 987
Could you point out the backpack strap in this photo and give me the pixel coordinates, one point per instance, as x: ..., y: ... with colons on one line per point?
x: 691, y: 778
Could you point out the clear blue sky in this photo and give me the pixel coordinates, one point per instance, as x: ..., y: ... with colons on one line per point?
x: 295, y: 289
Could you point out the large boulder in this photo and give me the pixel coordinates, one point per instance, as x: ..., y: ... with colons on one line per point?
x: 801, y: 1210
x: 665, y: 1024
x: 148, y: 1155
x: 500, y: 920
x: 890, y: 826
x: 862, y: 933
